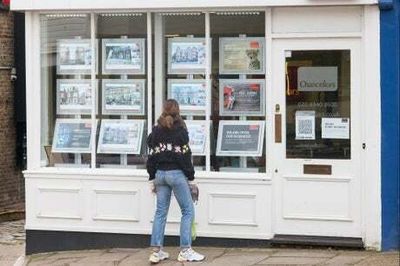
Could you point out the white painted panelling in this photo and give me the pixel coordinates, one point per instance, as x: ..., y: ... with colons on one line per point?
x: 114, y: 204
x: 371, y: 169
x: 231, y: 209
x: 324, y: 19
x: 318, y: 199
x: 59, y: 203
x: 165, y: 4
x: 117, y: 205
x: 223, y: 209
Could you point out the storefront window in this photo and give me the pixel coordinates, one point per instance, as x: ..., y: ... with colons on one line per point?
x: 230, y: 138
x: 118, y: 99
x: 238, y: 91
x: 67, y: 94
x: 122, y: 90
x: 318, y: 104
x: 185, y: 66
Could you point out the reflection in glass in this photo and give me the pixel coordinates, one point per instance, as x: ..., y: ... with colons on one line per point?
x: 318, y: 104
x: 238, y: 91
x: 66, y: 93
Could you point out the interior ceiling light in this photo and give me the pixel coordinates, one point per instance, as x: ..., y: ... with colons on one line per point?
x: 121, y: 14
x: 66, y: 15
x: 182, y: 14
x: 238, y: 13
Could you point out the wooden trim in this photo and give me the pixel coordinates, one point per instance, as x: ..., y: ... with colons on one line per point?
x: 278, y: 128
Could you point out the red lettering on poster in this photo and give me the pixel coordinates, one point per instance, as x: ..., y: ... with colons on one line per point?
x: 254, y: 44
x: 254, y: 87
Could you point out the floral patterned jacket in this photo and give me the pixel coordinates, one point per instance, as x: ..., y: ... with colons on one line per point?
x: 169, y: 150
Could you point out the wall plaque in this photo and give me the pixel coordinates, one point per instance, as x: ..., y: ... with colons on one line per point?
x: 317, y: 169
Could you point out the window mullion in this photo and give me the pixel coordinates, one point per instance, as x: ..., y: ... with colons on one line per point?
x: 208, y: 89
x: 93, y: 86
x: 149, y: 74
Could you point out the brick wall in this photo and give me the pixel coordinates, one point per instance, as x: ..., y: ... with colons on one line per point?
x: 11, y: 181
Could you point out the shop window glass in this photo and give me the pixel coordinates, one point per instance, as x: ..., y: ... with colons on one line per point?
x: 67, y: 95
x: 183, y: 42
x: 318, y: 118
x: 119, y: 97
x: 238, y: 103
x: 121, y: 139
x: 236, y: 96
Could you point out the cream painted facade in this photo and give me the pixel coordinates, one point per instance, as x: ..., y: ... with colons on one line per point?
x: 281, y: 200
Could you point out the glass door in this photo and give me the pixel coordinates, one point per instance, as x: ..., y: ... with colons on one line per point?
x: 317, y: 93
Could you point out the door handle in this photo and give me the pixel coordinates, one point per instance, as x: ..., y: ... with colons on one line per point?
x: 278, y: 128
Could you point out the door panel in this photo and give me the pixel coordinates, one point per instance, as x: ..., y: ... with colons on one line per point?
x: 317, y: 177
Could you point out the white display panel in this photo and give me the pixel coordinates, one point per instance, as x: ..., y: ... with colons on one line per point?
x: 74, y: 56
x: 73, y: 136
x: 242, y: 97
x: 123, y: 97
x: 186, y: 55
x: 242, y: 55
x: 120, y: 136
x: 190, y: 94
x: 197, y: 136
x: 123, y: 56
x: 74, y: 96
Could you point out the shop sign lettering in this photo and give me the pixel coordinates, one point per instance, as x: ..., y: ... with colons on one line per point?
x: 317, y: 78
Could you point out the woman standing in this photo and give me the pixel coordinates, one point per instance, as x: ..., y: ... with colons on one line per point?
x: 170, y: 169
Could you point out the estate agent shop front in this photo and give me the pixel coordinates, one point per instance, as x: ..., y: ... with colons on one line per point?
x: 275, y: 96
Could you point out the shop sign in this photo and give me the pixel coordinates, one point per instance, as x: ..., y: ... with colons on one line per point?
x: 317, y: 78
x: 335, y: 128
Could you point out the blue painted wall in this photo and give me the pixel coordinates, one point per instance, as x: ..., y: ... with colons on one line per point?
x: 390, y: 86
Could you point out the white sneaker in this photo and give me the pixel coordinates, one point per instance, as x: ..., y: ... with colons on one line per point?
x: 190, y: 255
x: 156, y: 257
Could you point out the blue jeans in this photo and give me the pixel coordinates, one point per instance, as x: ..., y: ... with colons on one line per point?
x: 165, y: 182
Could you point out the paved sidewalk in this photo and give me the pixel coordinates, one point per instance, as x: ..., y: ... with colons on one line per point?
x: 12, y: 249
x: 12, y: 233
x: 12, y: 241
x: 218, y: 257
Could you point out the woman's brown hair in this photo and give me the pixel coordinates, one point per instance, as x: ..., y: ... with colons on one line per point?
x: 170, y: 117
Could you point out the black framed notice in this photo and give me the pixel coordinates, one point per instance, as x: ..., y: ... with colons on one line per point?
x: 240, y: 138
